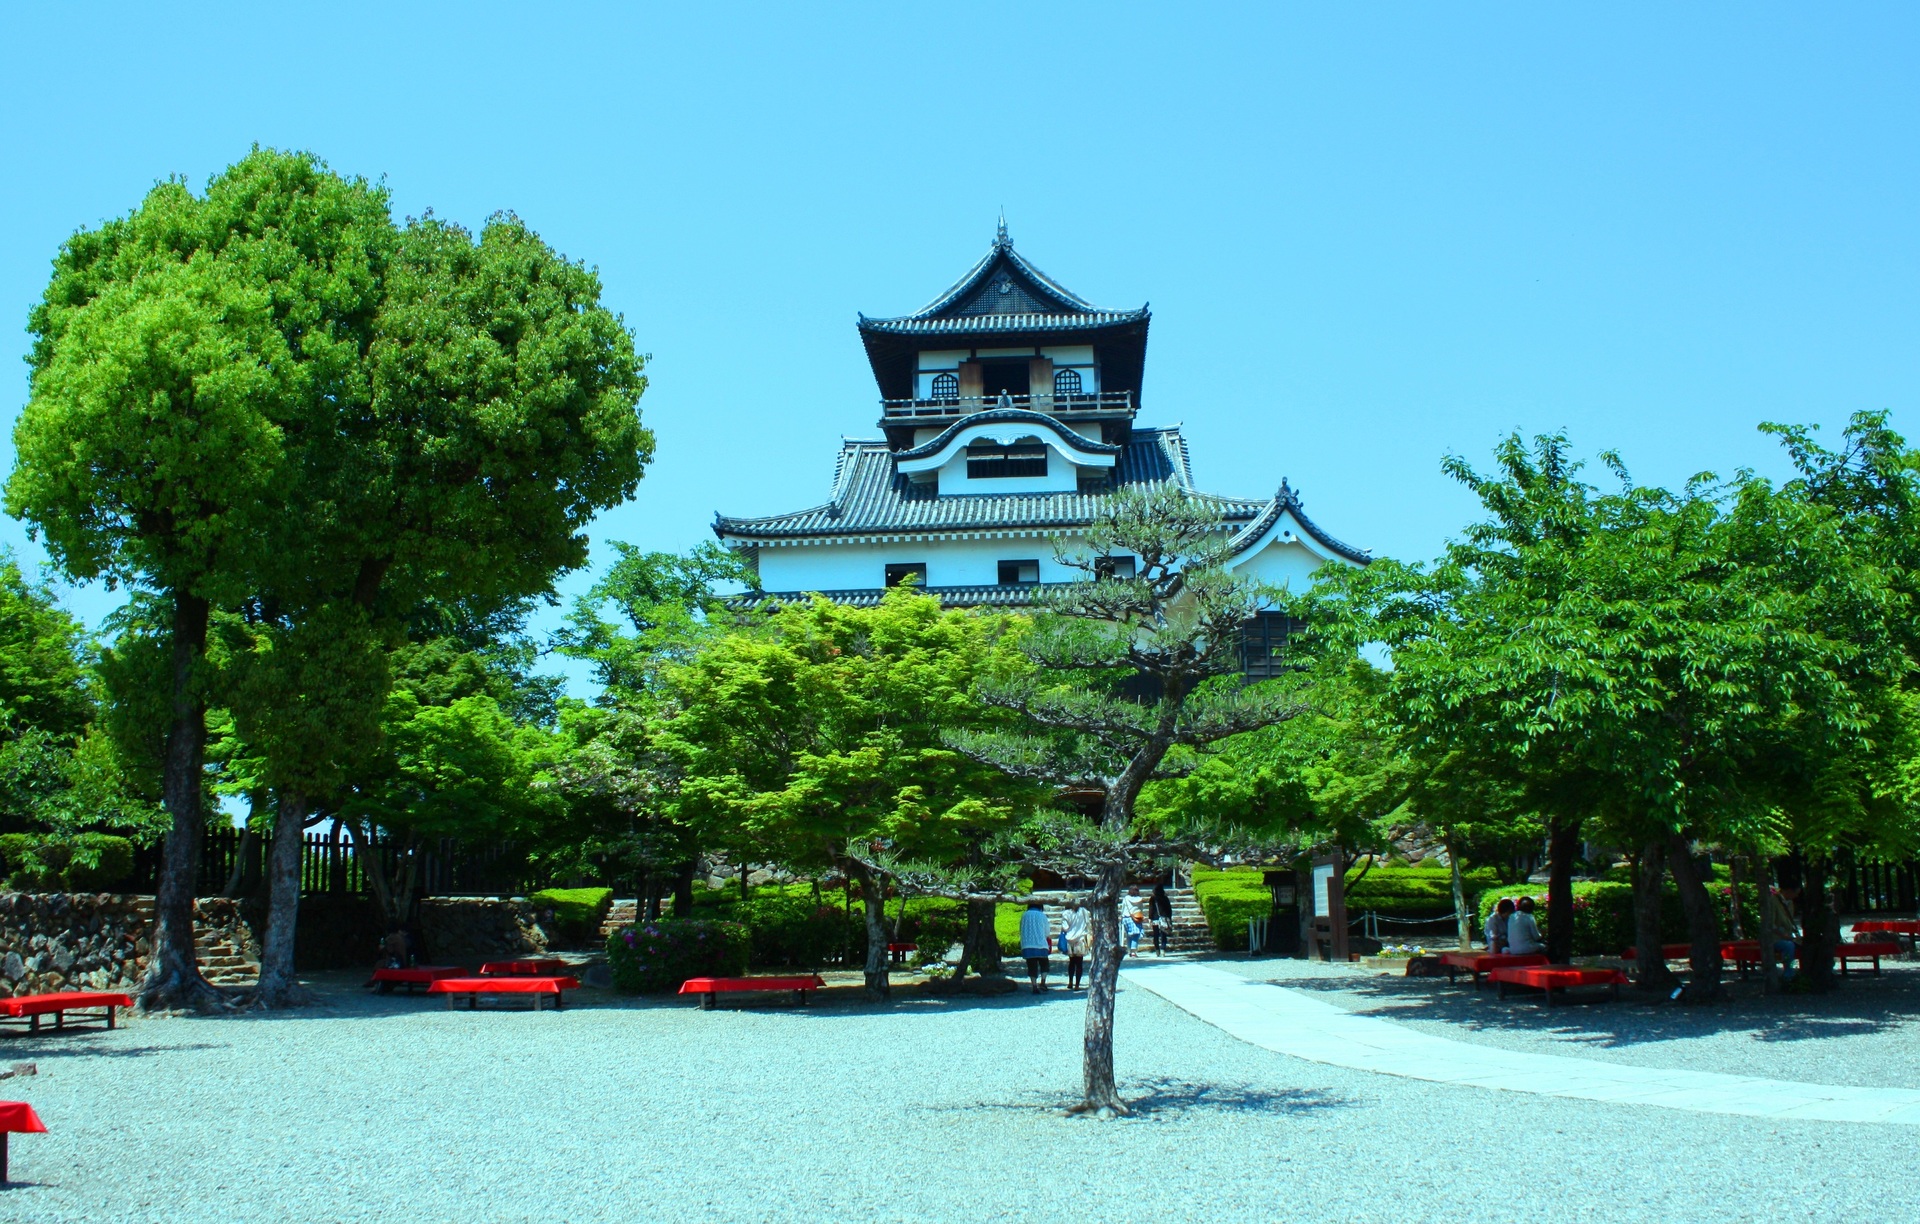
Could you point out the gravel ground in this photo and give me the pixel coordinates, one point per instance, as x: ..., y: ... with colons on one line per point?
x: 395, y: 1109
x: 1867, y: 1033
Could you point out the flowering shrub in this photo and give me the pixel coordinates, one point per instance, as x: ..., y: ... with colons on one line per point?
x: 655, y: 957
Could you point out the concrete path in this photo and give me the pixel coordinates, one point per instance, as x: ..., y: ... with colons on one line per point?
x: 1292, y: 1022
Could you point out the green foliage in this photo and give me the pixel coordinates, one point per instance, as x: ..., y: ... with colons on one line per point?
x: 656, y: 957
x: 1229, y: 898
x: 579, y: 911
x: 85, y: 862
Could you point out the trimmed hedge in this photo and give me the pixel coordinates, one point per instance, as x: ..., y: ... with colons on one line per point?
x: 37, y: 862
x: 1229, y: 898
x: 579, y: 911
x: 655, y: 957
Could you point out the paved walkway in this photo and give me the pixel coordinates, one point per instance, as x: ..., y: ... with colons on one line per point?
x: 1292, y: 1022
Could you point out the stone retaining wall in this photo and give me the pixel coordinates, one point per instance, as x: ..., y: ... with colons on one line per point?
x: 92, y: 941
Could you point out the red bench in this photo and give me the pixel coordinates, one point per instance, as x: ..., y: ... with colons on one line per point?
x: 1863, y: 952
x: 1549, y: 978
x: 16, y: 1116
x: 1888, y: 926
x: 30, y: 1008
x: 710, y: 989
x: 1672, y: 952
x: 539, y: 967
x: 419, y: 975
x: 474, y: 987
x: 1478, y: 963
x: 898, y: 952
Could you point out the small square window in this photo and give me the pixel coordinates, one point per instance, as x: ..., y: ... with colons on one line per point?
x: 916, y: 570
x: 1019, y: 573
x: 1113, y: 567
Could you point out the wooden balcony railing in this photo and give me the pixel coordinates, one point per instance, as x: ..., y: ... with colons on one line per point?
x: 1115, y: 403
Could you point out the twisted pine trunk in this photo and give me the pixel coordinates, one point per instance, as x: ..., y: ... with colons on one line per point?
x: 1103, y: 983
x: 873, y: 897
x: 173, y: 973
x: 279, y: 986
x: 981, y: 952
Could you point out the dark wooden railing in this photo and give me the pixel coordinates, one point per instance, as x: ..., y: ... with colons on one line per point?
x: 444, y: 868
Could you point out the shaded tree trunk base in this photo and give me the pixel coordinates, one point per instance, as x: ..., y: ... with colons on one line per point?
x: 277, y: 997
x: 1113, y: 1107
x: 181, y: 991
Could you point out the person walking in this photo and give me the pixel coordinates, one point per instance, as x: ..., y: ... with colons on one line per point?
x: 1034, y: 932
x: 1132, y: 922
x: 1077, y: 936
x: 1160, y: 918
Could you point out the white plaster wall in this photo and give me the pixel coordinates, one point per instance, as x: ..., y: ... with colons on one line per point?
x: 943, y: 359
x: 1061, y: 477
x: 840, y: 567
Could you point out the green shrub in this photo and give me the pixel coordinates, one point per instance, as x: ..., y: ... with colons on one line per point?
x: 91, y: 862
x: 1230, y: 898
x: 1602, y: 914
x: 579, y: 911
x: 655, y: 957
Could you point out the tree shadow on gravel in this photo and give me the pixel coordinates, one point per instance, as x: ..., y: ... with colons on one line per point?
x: 90, y: 1051
x: 1863, y: 1006
x: 1165, y: 1099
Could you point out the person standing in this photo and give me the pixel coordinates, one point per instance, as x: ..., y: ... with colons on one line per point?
x: 1132, y: 922
x: 1786, y: 929
x: 1034, y: 932
x: 1077, y: 936
x: 1160, y: 918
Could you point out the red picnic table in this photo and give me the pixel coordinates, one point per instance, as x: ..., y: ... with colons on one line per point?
x: 1745, y: 954
x: 31, y: 1007
x: 474, y: 987
x: 16, y: 1116
x: 1478, y: 963
x: 1888, y: 926
x: 537, y: 967
x: 1549, y: 978
x: 710, y: 988
x: 418, y: 975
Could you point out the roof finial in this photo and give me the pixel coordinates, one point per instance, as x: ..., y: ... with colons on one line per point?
x: 1000, y: 239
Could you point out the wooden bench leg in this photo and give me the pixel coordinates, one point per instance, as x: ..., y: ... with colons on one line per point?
x: 1500, y: 989
x: 110, y: 1011
x: 707, y: 1000
x: 1549, y: 993
x: 3, y: 1158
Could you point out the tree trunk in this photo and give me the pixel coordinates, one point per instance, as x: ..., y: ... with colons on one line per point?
x: 1462, y: 923
x: 1769, y: 963
x: 1650, y: 961
x: 279, y: 986
x: 1103, y: 983
x: 1703, y: 929
x: 873, y: 895
x: 1564, y: 840
x: 683, y: 891
x: 1818, y: 932
x: 173, y: 974
x: 981, y: 952
x: 237, y: 876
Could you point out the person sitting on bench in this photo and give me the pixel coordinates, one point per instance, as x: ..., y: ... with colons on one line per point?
x: 1523, y: 933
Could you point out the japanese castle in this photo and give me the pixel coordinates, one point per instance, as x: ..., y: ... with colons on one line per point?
x: 1007, y: 414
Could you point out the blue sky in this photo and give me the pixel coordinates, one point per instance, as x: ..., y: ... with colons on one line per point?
x: 1369, y: 237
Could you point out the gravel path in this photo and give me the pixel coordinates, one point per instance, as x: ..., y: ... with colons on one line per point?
x: 1865, y: 1034
x: 396, y: 1109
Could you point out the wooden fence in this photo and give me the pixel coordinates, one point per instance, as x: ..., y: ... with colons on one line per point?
x: 443, y: 868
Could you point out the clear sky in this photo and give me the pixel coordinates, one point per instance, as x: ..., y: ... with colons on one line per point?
x: 1369, y: 237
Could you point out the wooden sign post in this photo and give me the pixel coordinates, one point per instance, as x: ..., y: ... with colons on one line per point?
x: 1328, y: 898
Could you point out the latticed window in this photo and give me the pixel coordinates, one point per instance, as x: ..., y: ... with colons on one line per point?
x: 988, y: 460
x: 1066, y: 382
x: 946, y: 387
x: 1263, y: 645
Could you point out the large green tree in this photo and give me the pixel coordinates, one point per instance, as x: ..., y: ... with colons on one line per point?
x: 814, y: 740
x: 273, y: 399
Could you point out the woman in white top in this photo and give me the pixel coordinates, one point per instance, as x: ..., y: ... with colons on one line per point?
x: 1523, y: 933
x: 1078, y: 934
